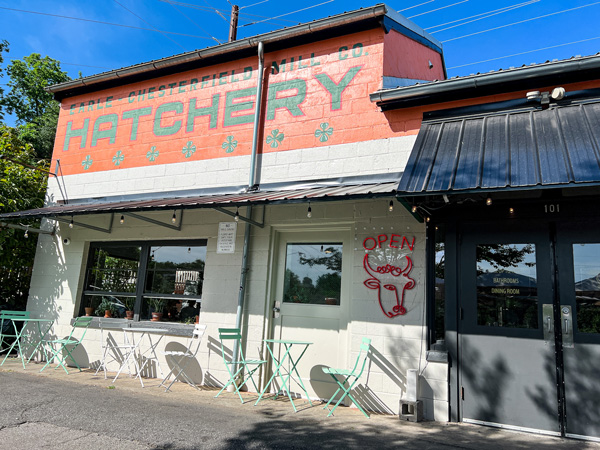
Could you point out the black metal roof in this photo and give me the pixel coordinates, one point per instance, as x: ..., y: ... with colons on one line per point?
x: 534, y: 76
x: 555, y: 147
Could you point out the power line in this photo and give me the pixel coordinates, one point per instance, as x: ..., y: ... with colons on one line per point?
x: 437, y: 9
x: 524, y: 53
x: 130, y: 11
x: 484, y: 14
x: 415, y: 6
x: 187, y: 17
x: 522, y: 21
x: 101, y: 22
x: 212, y: 9
x: 287, y: 14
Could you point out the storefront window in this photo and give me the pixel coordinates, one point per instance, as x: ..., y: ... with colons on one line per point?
x: 440, y: 284
x: 313, y: 274
x: 507, y: 286
x: 586, y: 264
x: 171, y: 275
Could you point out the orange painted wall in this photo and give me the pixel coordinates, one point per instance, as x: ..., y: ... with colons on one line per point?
x: 317, y: 121
x: 405, y: 58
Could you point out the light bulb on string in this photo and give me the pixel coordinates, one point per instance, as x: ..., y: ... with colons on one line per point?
x: 122, y: 219
x: 174, y: 217
x: 237, y: 215
x: 71, y: 223
x: 391, y: 207
x: 309, y: 213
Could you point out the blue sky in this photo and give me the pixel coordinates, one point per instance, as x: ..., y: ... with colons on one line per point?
x: 91, y: 47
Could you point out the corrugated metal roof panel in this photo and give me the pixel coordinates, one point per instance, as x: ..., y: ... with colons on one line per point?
x: 209, y: 201
x: 519, y: 149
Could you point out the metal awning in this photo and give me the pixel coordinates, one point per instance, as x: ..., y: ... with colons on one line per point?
x: 214, y: 201
x: 552, y: 148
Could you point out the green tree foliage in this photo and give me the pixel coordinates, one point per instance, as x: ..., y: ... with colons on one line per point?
x: 21, y: 188
x: 34, y: 107
x: 3, y: 48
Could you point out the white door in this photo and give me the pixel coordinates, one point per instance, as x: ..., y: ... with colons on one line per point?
x: 313, y: 282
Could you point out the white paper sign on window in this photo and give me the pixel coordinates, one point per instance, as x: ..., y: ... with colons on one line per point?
x: 226, y: 240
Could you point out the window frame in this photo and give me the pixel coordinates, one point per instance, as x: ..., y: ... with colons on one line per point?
x: 140, y: 294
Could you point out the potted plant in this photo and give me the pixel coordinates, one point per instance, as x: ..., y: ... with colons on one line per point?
x: 158, y: 305
x: 89, y: 309
x: 129, y: 304
x: 106, y: 307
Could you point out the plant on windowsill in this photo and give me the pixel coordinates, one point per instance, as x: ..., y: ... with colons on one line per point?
x: 89, y: 309
x: 158, y: 306
x: 106, y: 307
x: 129, y: 304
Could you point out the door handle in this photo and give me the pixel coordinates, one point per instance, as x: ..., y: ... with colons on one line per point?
x: 566, y: 316
x: 276, y: 310
x: 550, y: 325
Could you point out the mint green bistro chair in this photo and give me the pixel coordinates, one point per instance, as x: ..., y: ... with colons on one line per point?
x: 68, y: 344
x: 8, y: 331
x: 350, y: 377
x: 243, y: 365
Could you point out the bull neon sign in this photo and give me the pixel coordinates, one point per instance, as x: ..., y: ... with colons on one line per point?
x: 388, y: 264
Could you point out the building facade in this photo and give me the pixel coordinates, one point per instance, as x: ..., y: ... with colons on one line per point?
x: 251, y: 184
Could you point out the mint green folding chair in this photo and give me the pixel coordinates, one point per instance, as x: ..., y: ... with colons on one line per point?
x: 240, y: 366
x: 350, y: 376
x: 68, y: 344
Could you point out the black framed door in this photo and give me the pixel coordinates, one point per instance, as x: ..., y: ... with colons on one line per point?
x: 529, y: 327
x: 507, y: 371
x: 578, y: 250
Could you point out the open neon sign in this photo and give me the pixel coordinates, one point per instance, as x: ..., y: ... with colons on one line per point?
x: 394, y: 278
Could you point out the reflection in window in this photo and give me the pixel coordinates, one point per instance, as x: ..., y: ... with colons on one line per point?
x: 586, y: 264
x: 112, y: 273
x: 440, y: 285
x: 171, y: 277
x: 313, y: 274
x: 174, y: 271
x: 507, y: 286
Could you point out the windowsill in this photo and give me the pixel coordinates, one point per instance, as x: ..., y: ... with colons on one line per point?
x: 173, y: 329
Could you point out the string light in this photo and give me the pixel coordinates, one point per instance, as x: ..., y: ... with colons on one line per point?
x: 174, y: 218
x: 488, y: 201
x: 511, y: 210
x: 26, y: 232
x: 237, y: 215
x: 122, y: 219
x: 414, y: 209
x: 71, y: 223
x: 309, y: 213
x: 391, y: 207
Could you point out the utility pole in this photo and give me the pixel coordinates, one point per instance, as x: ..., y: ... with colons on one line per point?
x: 235, y: 10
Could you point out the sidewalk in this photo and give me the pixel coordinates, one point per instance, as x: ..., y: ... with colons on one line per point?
x: 53, y: 410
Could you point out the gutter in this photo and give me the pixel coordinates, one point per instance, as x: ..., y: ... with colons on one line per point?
x: 488, y: 84
x: 275, y: 38
x: 252, y: 186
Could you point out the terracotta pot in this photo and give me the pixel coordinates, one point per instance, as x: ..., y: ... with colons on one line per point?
x: 197, y: 319
x: 331, y: 301
x: 129, y: 315
x: 156, y: 317
x: 107, y: 314
x: 88, y: 311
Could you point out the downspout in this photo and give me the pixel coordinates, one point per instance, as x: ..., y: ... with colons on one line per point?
x: 252, y: 185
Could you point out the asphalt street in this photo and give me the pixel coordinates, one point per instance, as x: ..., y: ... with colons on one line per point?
x: 53, y: 410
